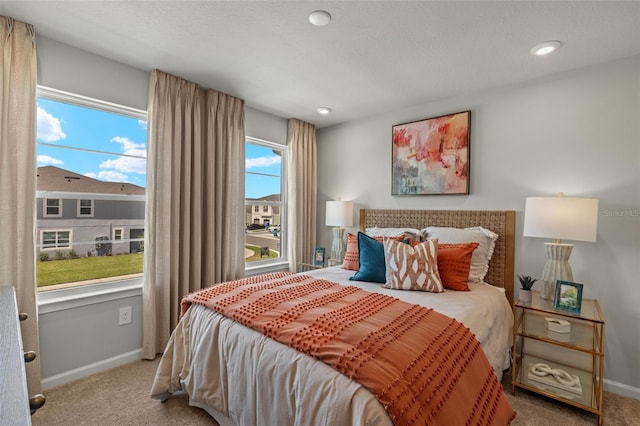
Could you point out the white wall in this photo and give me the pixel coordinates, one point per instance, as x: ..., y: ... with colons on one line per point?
x: 83, y: 337
x: 578, y: 133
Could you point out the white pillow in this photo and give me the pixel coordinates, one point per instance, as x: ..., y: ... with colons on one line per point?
x: 414, y: 234
x: 481, y: 256
x: 412, y: 268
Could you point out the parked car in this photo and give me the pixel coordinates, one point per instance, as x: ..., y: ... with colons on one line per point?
x: 254, y: 226
x: 274, y: 228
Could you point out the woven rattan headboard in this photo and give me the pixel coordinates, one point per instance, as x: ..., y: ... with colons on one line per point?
x: 501, y: 266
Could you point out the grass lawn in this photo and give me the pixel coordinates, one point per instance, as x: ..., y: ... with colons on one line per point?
x: 87, y: 268
x: 256, y: 254
x: 65, y: 271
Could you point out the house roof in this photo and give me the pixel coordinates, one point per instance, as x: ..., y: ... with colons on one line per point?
x: 55, y: 179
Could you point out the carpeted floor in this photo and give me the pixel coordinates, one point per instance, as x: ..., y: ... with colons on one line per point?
x: 121, y: 397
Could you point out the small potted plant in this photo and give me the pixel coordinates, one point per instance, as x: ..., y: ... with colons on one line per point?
x: 526, y: 282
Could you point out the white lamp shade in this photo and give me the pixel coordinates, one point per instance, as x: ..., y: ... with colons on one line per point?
x: 339, y: 213
x: 561, y: 218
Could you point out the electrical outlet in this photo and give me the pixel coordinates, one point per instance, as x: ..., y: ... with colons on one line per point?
x: 125, y: 315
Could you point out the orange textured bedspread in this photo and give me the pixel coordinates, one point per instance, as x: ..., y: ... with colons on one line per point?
x: 424, y: 367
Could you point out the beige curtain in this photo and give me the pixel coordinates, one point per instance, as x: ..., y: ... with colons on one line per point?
x: 303, y: 191
x: 18, y: 177
x: 195, y: 199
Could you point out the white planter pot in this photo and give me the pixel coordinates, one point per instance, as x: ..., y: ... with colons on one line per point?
x: 525, y: 296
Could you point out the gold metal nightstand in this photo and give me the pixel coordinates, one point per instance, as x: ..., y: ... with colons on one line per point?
x: 580, y: 353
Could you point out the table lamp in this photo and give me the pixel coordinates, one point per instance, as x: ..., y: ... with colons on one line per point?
x: 559, y: 218
x: 338, y: 214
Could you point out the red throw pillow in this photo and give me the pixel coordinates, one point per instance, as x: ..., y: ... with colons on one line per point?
x: 454, y: 263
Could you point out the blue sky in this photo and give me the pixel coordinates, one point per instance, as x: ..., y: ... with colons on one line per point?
x: 263, y: 171
x: 68, y: 125
x: 122, y: 143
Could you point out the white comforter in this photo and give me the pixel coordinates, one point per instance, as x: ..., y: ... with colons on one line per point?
x: 233, y: 371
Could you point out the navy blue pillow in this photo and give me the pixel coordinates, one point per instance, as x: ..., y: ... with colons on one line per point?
x: 371, y: 260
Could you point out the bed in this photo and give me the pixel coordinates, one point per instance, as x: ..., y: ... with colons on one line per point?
x: 240, y: 376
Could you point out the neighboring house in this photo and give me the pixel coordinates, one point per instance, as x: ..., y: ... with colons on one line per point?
x: 86, y: 215
x: 261, y: 213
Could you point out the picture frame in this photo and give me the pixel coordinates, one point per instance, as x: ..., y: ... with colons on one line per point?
x: 568, y: 296
x: 318, y: 256
x: 431, y: 156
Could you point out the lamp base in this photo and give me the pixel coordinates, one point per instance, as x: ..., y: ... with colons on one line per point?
x: 548, y: 290
x: 337, y: 247
x: 556, y: 268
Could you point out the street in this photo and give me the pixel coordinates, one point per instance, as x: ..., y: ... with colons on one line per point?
x: 263, y: 238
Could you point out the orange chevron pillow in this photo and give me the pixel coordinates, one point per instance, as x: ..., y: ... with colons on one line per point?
x: 412, y: 268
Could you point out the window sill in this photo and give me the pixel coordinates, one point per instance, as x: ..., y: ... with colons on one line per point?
x: 254, y: 269
x: 68, y: 297
x: 72, y: 297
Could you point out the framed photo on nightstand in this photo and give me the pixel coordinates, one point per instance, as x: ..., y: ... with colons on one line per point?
x: 318, y: 256
x: 568, y: 296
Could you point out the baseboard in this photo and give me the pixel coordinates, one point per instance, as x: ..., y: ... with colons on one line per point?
x: 88, y: 370
x: 621, y: 389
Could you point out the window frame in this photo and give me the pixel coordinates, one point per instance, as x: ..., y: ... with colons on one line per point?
x: 80, y: 207
x: 45, y: 207
x: 261, y: 266
x: 61, y: 297
x: 57, y: 246
x: 113, y: 236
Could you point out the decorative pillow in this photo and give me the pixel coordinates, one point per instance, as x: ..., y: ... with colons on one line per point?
x: 370, y: 259
x: 351, y: 253
x: 412, y: 268
x: 454, y: 263
x: 481, y: 256
x: 409, y: 233
x: 351, y: 258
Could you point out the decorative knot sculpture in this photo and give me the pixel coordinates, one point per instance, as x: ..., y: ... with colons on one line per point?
x: 561, y: 376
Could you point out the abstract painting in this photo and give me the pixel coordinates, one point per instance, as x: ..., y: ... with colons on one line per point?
x: 431, y: 156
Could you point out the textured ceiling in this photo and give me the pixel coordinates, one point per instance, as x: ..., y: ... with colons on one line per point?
x: 373, y: 57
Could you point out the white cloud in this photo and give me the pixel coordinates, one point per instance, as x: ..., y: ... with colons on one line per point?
x: 130, y: 147
x: 108, y: 176
x: 262, y: 161
x: 143, y: 124
x: 45, y: 159
x: 49, y: 127
x: 127, y: 164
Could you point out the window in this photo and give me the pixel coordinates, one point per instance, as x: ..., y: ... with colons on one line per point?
x: 85, y: 208
x: 52, y: 207
x: 91, y: 158
x: 55, y: 239
x: 265, y: 202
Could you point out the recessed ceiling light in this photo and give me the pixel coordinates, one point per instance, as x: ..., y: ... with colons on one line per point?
x: 324, y: 110
x: 319, y: 18
x: 545, y: 48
